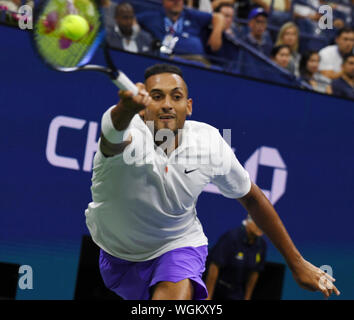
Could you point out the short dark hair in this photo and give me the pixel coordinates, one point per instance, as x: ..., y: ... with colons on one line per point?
x: 162, y: 68
x: 346, y: 57
x: 223, y: 4
x: 123, y: 5
x: 344, y: 30
x: 276, y: 49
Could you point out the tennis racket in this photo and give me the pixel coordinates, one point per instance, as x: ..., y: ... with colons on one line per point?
x: 64, y: 54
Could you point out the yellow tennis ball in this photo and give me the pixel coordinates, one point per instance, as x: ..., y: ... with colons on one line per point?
x: 74, y: 27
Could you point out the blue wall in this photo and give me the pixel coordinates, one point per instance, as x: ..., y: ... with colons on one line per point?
x: 302, y: 136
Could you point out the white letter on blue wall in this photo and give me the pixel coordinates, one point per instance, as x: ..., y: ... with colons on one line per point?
x: 52, y: 156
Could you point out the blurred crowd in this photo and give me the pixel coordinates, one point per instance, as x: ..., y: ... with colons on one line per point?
x: 9, y: 10
x: 309, y: 40
x: 287, y: 33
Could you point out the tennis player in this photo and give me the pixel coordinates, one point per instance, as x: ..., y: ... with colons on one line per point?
x: 145, y: 186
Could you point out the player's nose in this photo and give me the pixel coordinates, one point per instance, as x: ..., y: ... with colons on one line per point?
x: 167, y: 105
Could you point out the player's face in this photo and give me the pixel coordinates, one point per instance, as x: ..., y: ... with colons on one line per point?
x: 169, y: 105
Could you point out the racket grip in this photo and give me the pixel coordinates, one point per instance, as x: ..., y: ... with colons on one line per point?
x: 124, y: 83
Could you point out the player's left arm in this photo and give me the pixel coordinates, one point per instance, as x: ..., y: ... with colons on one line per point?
x: 264, y: 215
x: 250, y: 284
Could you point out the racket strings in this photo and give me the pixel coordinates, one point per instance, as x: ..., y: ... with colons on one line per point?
x: 52, y: 45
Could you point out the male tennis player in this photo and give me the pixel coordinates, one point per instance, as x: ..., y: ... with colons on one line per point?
x: 143, y: 214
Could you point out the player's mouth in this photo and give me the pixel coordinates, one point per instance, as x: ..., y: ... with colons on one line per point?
x: 167, y: 117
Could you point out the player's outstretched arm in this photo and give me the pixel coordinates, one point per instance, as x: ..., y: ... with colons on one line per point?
x: 118, y: 119
x: 305, y: 274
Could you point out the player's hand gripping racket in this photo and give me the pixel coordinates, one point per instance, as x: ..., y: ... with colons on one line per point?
x: 66, y: 35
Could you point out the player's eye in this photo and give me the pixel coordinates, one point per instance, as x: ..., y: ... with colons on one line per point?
x: 156, y: 97
x: 177, y: 97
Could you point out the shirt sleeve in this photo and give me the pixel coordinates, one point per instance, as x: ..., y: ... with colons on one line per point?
x: 229, y: 176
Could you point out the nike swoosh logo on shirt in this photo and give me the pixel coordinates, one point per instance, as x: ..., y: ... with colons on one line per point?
x: 189, y: 171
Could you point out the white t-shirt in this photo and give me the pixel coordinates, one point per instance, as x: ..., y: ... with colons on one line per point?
x: 330, y: 59
x: 143, y: 208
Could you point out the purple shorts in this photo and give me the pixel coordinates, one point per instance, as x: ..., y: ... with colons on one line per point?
x: 133, y: 280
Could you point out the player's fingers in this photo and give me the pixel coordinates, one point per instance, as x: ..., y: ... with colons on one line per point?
x: 336, y: 291
x: 141, y: 88
x: 327, y: 287
x: 140, y: 85
x: 324, y: 290
x: 142, y: 97
x: 146, y: 100
x: 143, y: 93
x: 124, y: 94
x: 329, y: 277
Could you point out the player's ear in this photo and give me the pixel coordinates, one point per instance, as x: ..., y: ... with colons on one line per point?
x: 189, y: 106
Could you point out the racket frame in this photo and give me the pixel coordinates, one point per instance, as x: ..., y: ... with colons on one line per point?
x: 117, y: 76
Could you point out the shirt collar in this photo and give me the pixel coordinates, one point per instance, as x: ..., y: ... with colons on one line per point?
x: 176, y: 26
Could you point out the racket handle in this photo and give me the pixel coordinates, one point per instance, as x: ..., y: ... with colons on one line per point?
x: 124, y: 83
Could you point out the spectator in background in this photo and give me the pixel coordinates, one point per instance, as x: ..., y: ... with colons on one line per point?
x: 11, y: 8
x: 228, y: 11
x: 307, y: 16
x: 127, y: 35
x: 181, y: 29
x: 309, y: 72
x: 201, y: 5
x: 242, y: 7
x: 332, y: 56
x: 279, y: 13
x: 11, y: 5
x: 281, y: 56
x: 289, y: 35
x: 278, y: 5
x: 344, y: 86
x: 108, y: 10
x: 352, y: 16
x: 216, y: 3
x: 235, y: 263
x: 258, y: 37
